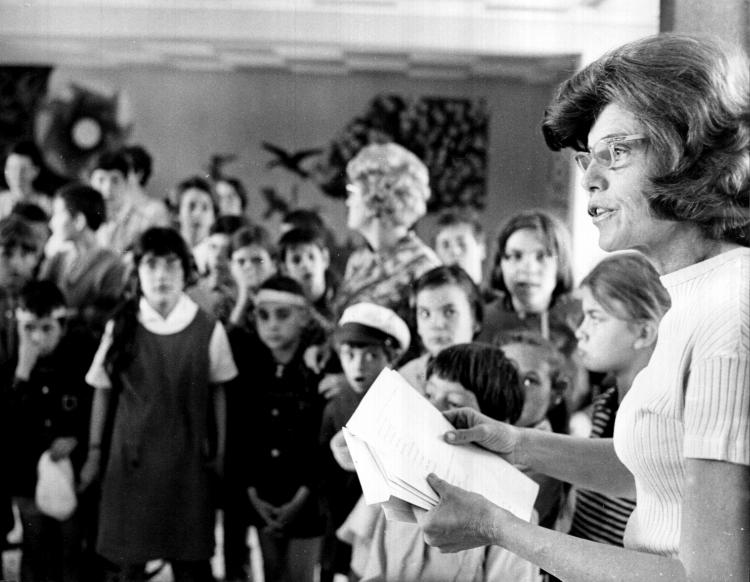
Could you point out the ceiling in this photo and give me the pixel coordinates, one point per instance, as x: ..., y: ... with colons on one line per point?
x: 528, y: 39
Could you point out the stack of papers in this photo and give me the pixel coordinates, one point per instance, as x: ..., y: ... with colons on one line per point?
x: 395, y: 438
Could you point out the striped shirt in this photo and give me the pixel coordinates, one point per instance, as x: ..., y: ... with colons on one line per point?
x: 599, y: 517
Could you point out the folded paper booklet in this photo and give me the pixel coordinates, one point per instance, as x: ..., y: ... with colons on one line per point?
x: 395, y: 438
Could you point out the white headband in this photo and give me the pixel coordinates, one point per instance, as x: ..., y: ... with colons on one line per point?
x: 275, y: 296
x: 24, y: 315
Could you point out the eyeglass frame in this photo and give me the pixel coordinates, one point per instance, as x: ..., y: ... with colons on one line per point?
x: 611, y: 142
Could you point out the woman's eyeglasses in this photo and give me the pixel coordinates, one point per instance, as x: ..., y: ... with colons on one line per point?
x: 608, y: 152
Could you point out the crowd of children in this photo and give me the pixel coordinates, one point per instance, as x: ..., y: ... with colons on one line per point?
x: 229, y: 360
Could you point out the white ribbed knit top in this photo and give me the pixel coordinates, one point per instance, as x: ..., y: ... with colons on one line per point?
x: 693, y: 398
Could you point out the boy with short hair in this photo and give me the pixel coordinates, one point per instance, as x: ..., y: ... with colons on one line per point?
x: 23, y: 166
x: 140, y: 165
x: 304, y: 256
x: 251, y: 262
x: 368, y: 338
x: 49, y: 404
x: 273, y: 421
x: 215, y: 289
x: 19, y: 257
x: 91, y: 277
x: 460, y: 241
x: 126, y: 220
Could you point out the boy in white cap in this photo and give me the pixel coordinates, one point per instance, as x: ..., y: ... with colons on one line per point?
x: 368, y: 338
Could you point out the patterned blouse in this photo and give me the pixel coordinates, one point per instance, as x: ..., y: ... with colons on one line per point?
x: 385, y: 278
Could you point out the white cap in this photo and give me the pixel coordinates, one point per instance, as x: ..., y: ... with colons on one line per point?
x: 371, y: 323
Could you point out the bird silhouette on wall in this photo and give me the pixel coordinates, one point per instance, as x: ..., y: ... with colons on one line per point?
x: 275, y: 203
x: 291, y: 161
x: 216, y: 163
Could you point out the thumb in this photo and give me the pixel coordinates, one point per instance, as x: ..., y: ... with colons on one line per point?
x: 438, y: 485
x: 465, y: 435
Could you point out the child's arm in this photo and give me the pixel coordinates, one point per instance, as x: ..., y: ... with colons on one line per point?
x: 99, y: 411
x: 220, y: 412
x: 287, y: 512
x: 244, y: 302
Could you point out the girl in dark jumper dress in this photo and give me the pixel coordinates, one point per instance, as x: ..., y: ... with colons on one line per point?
x: 158, y: 376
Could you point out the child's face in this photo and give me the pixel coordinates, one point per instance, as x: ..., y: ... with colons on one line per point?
x: 251, y: 266
x: 218, y: 251
x: 230, y: 203
x: 444, y: 317
x: 112, y: 185
x: 279, y: 325
x: 196, y: 214
x: 446, y: 394
x: 20, y: 173
x: 62, y: 223
x: 529, y: 272
x: 162, y: 280
x: 536, y: 379
x: 605, y: 342
x: 307, y: 265
x: 42, y: 332
x: 17, y: 263
x: 362, y: 364
x: 457, y: 245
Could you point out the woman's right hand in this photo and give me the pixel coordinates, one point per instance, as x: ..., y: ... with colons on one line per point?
x: 471, y: 426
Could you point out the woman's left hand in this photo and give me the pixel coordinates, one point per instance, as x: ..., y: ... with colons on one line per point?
x: 461, y: 520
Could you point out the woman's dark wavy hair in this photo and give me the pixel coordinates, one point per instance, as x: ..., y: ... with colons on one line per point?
x: 452, y: 275
x: 160, y: 242
x: 484, y: 370
x: 692, y: 97
x: 556, y: 240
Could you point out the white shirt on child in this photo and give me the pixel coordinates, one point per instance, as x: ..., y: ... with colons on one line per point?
x: 221, y: 363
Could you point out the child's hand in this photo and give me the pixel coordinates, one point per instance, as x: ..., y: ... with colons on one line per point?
x: 341, y: 452
x: 316, y: 357
x: 90, y: 470
x: 287, y: 512
x: 28, y: 354
x: 62, y: 447
x: 331, y: 385
x: 266, y: 511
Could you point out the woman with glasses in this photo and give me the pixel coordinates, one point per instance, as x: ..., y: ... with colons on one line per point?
x: 662, y: 127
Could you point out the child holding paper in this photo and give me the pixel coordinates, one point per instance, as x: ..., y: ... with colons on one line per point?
x: 368, y: 338
x: 480, y: 376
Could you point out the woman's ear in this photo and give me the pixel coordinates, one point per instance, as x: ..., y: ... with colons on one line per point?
x: 647, y: 332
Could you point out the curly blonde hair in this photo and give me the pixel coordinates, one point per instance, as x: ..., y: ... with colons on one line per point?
x: 395, y: 183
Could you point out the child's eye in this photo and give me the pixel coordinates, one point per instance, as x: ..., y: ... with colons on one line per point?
x: 423, y: 313
x: 449, y: 312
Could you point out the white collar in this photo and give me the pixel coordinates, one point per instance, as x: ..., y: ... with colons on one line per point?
x: 178, y: 319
